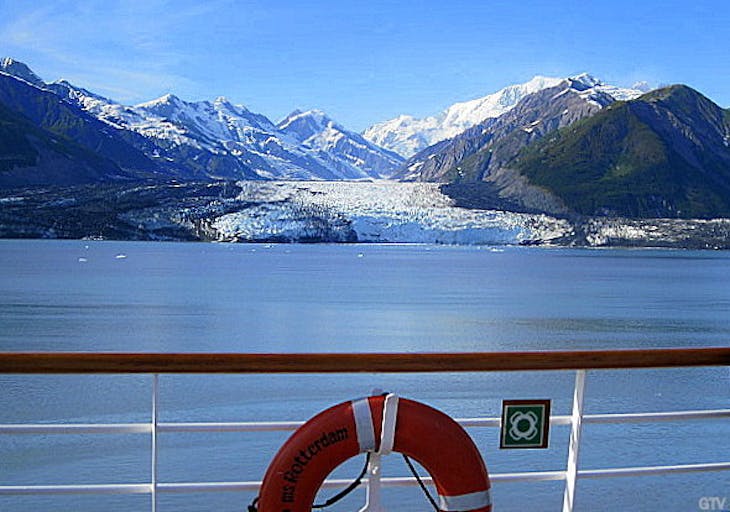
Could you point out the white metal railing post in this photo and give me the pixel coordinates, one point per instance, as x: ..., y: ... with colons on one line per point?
x: 576, y: 422
x: 372, y: 485
x: 155, y: 398
x: 372, y: 482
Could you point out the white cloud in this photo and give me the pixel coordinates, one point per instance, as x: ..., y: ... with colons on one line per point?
x: 129, y: 50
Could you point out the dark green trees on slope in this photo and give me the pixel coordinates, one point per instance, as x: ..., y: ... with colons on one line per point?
x: 30, y: 155
x: 665, y: 154
x: 46, y: 111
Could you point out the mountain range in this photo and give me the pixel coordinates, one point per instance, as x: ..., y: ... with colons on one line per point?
x: 581, y: 148
x: 500, y: 137
x: 665, y: 154
x: 407, y: 135
x: 191, y: 140
x: 568, y: 147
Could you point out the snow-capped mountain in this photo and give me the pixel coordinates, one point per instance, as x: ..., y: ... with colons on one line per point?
x: 19, y: 70
x: 407, y: 135
x: 218, y: 139
x: 159, y: 138
x: 473, y: 154
x: 222, y: 128
x: 346, y: 150
x: 596, y: 85
x: 208, y: 123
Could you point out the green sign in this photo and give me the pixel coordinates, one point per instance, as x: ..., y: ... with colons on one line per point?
x: 525, y: 424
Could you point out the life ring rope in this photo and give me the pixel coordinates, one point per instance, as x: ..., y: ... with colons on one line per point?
x: 420, y: 482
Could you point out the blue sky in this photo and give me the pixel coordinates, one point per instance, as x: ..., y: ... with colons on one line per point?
x: 363, y: 61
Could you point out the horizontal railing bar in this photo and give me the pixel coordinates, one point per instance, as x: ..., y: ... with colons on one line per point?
x: 284, y: 426
x: 176, y: 487
x: 187, y: 487
x: 650, y: 417
x: 190, y: 487
x: 480, y: 422
x: 77, y: 428
x: 653, y: 470
x: 188, y: 427
x: 15, y: 490
x: 529, y: 476
x: 241, y: 426
x: 497, y: 421
x: 269, y: 426
x: 65, y: 362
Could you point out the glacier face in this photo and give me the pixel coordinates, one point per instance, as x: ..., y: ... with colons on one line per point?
x: 375, y: 212
x: 258, y: 211
x: 407, y: 135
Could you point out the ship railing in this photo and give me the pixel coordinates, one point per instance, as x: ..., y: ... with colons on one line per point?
x: 196, y: 363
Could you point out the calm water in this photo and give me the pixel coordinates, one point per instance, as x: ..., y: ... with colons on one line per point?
x: 103, y: 296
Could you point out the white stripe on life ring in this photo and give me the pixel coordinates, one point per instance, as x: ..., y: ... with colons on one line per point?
x: 471, y: 501
x: 363, y: 424
x: 390, y: 415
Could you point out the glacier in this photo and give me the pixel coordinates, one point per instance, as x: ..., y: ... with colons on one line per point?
x: 323, y: 212
x: 374, y: 212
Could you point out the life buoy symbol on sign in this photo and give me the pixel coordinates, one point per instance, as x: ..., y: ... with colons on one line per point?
x: 517, y: 420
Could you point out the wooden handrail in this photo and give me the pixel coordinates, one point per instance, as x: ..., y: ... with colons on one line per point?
x: 84, y: 362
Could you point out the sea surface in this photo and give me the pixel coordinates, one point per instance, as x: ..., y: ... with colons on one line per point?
x: 160, y: 297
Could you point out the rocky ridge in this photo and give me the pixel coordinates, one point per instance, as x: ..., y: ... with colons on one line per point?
x: 209, y: 139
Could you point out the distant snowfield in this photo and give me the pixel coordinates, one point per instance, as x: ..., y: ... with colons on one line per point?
x: 381, y: 211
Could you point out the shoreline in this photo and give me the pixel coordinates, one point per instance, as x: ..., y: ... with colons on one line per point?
x: 322, y: 212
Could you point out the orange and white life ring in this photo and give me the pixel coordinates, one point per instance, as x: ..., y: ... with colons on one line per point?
x: 377, y: 424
